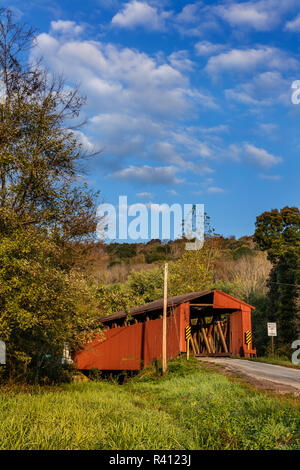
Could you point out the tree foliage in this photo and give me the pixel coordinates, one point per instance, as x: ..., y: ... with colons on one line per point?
x: 42, y: 305
x: 278, y: 233
x: 44, y: 302
x: 192, y: 272
x: 40, y: 157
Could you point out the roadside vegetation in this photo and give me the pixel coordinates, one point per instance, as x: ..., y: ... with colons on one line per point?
x: 190, y: 408
x: 56, y: 280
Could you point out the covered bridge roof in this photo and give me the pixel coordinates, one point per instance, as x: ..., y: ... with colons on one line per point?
x: 209, y: 296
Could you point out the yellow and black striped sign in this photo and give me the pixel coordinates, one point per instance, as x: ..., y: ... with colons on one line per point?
x: 248, y: 337
x: 188, y: 332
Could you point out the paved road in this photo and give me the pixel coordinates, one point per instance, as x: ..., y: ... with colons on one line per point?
x: 261, y: 371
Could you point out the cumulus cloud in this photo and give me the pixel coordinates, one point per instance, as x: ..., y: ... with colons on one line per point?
x: 119, y: 78
x: 142, y: 99
x: 293, y: 25
x: 66, y: 27
x: 145, y: 195
x: 136, y: 13
x: 189, y: 13
x: 165, y: 152
x: 245, y: 60
x: 180, y: 60
x: 214, y: 129
x: 215, y: 190
x: 260, y: 156
x: 205, y: 48
x: 262, y: 15
x: 255, y: 155
x: 146, y: 174
x: 265, y: 89
x: 196, y: 19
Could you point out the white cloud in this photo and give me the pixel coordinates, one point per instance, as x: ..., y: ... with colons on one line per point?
x: 269, y: 177
x: 205, y: 48
x: 262, y: 15
x: 255, y: 155
x: 136, y: 13
x: 142, y: 99
x: 117, y: 78
x: 66, y: 27
x: 165, y: 152
x: 215, y: 190
x: 214, y: 129
x: 148, y: 175
x: 180, y: 60
x: 189, y: 13
x: 196, y: 19
x: 268, y: 128
x: 246, y: 60
x: 246, y: 14
x: 293, y: 25
x: 265, y: 89
x: 145, y: 195
x: 260, y: 156
x: 172, y: 192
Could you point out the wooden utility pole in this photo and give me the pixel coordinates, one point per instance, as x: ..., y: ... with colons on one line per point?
x: 164, y: 332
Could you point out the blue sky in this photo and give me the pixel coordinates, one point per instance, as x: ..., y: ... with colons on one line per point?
x: 190, y: 101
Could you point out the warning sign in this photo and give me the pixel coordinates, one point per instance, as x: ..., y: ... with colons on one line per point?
x: 188, y: 332
x: 248, y: 337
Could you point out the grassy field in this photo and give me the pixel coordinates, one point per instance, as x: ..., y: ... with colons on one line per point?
x: 191, y: 408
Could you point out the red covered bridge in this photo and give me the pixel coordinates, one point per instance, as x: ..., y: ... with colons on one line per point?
x: 220, y: 325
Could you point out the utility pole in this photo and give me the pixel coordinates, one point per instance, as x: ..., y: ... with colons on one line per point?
x: 164, y: 330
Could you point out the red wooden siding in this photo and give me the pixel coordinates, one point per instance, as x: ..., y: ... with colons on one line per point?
x: 240, y: 322
x: 132, y: 347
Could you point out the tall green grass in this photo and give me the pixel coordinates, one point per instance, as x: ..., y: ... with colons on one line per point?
x: 190, y: 408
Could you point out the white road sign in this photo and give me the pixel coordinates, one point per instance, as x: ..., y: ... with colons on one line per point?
x: 272, y: 329
x: 2, y: 353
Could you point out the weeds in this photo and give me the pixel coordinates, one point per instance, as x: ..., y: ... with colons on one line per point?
x: 190, y: 407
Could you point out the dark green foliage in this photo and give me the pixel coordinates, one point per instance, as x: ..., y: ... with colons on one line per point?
x: 157, y: 252
x: 278, y: 233
x: 287, y: 276
x: 259, y: 318
x: 122, y: 251
x: 42, y: 305
x: 242, y: 251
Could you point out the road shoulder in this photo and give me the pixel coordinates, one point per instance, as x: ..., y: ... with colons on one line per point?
x: 241, y: 376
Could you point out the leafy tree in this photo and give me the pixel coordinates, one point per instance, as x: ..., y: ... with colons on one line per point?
x: 116, y: 297
x: 278, y: 233
x: 146, y: 285
x: 192, y: 272
x: 42, y: 305
x: 40, y: 156
x: 44, y: 302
